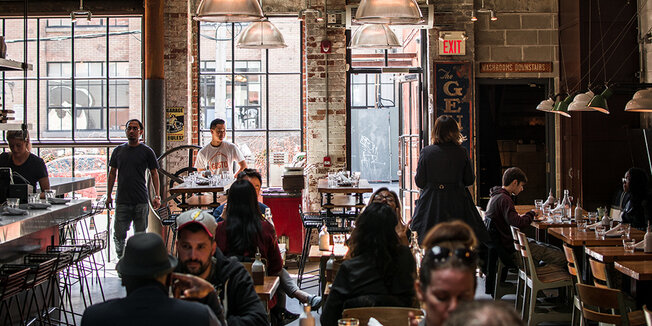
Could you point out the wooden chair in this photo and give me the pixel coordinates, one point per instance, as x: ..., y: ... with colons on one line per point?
x: 599, y: 272
x: 571, y: 263
x: 648, y: 315
x: 537, y: 282
x: 596, y: 300
x: 384, y: 315
x: 520, y: 285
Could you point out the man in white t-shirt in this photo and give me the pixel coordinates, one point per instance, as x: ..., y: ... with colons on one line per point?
x: 218, y: 156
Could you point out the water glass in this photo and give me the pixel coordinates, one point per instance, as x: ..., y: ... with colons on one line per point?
x: 600, y: 231
x: 546, y: 212
x: 348, y: 322
x: 627, y: 228
x: 338, y: 239
x: 33, y: 198
x: 50, y: 194
x: 13, y: 202
x: 581, y: 225
x: 593, y: 216
x: 332, y: 179
x: 538, y: 203
x: 629, y: 245
x: 356, y: 178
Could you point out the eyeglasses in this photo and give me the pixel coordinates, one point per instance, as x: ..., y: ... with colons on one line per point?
x: 381, y: 198
x: 624, y: 180
x: 133, y: 128
x: 442, y: 255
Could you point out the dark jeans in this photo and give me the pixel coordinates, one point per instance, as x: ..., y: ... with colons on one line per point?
x: 124, y: 215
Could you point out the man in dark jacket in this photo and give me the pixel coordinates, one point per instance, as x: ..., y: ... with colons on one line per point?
x: 146, y: 272
x: 501, y: 214
x: 198, y: 255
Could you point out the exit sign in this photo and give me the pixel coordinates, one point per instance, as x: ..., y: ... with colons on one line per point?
x: 452, y: 43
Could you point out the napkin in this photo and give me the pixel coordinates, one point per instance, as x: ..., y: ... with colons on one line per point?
x: 640, y: 245
x: 13, y: 211
x: 373, y: 322
x: 58, y: 201
x: 615, y: 232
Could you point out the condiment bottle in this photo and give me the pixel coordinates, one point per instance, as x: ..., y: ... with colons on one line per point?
x: 605, y: 220
x: 268, y: 215
x: 648, y: 239
x: 258, y: 270
x: 329, y: 268
x: 306, y: 318
x: 578, y: 212
x: 324, y: 239
x: 565, y: 206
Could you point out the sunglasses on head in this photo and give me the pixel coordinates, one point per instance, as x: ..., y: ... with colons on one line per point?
x: 443, y: 254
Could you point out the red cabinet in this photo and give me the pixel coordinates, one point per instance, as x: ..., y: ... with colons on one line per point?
x: 285, y: 212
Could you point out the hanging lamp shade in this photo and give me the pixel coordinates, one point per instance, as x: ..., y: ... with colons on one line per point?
x: 388, y: 12
x: 225, y: 11
x: 376, y: 36
x: 546, y: 105
x: 561, y: 108
x: 599, y: 102
x: 581, y: 101
x: 261, y: 35
x: 641, y: 102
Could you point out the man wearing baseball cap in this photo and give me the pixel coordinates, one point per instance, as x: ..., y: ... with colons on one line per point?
x: 146, y: 272
x: 198, y: 255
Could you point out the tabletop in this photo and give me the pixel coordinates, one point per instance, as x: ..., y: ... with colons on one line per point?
x: 573, y: 237
x: 522, y: 209
x: 187, y: 189
x: 363, y: 187
x: 542, y: 225
x: 611, y: 254
x: 316, y: 254
x: 638, y: 270
x: 268, y: 288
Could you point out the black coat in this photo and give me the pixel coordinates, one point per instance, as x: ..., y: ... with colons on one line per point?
x: 359, y: 283
x: 149, y: 305
x: 443, y: 173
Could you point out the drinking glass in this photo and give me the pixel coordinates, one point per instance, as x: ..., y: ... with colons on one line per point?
x: 50, y: 194
x: 627, y: 228
x: 356, y: 178
x: 600, y: 231
x: 13, y: 202
x: 593, y: 216
x: 538, y: 203
x: 629, y: 245
x: 33, y: 198
x: 338, y: 239
x: 348, y: 322
x: 332, y: 179
x: 546, y: 212
x: 581, y: 225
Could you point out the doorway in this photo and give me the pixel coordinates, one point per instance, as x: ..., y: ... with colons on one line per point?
x: 513, y: 133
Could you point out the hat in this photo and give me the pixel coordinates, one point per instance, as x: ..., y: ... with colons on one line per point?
x: 145, y: 255
x: 206, y: 220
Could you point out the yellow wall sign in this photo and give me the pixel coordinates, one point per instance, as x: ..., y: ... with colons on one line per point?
x: 175, y: 123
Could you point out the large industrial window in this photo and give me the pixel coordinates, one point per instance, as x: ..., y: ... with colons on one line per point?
x: 86, y: 82
x: 257, y: 92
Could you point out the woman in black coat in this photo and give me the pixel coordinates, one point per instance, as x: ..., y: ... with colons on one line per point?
x: 443, y: 173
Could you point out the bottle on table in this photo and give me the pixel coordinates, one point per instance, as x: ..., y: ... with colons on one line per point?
x: 330, y: 268
x: 550, y: 202
x: 268, y: 216
x: 258, y: 270
x: 578, y: 212
x: 565, y: 206
x: 306, y: 318
x: 647, y: 245
x: 415, y: 248
x: 324, y: 239
x: 606, y: 222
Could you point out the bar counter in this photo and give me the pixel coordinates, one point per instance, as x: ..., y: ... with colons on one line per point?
x: 64, y: 185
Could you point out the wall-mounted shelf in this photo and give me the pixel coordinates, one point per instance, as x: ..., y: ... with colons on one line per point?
x: 6, y: 64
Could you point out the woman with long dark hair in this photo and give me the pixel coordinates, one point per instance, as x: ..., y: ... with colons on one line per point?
x: 385, y: 196
x: 443, y: 173
x: 381, y: 272
x: 635, y: 209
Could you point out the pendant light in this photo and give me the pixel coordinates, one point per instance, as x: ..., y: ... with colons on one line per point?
x: 581, y: 101
x: 375, y: 36
x: 391, y: 12
x: 561, y: 108
x: 225, y: 11
x: 599, y: 102
x: 641, y: 102
x: 546, y: 105
x: 261, y: 35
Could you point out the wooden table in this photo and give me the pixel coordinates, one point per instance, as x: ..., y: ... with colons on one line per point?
x: 322, y: 257
x: 611, y: 254
x: 573, y: 237
x: 542, y: 227
x: 522, y: 209
x: 185, y: 189
x: 267, y: 290
x: 328, y: 192
x: 641, y: 274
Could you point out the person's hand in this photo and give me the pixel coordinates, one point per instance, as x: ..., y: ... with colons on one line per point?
x: 108, y: 202
x: 412, y: 318
x: 156, y: 202
x: 188, y: 286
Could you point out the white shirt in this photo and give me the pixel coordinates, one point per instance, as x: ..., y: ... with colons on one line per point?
x: 220, y: 158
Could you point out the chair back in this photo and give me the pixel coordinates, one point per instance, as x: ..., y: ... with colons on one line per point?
x: 528, y: 262
x: 571, y: 263
x: 648, y: 315
x: 517, y: 245
x: 599, y: 271
x: 12, y: 280
x: 596, y: 301
x: 384, y: 315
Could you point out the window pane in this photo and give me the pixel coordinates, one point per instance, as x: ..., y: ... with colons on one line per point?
x: 254, y: 149
x: 410, y: 54
x: 215, y: 45
x: 90, y: 48
x: 92, y: 162
x: 249, y: 54
x: 283, y: 146
x: 125, y: 103
x: 58, y: 161
x: 211, y: 88
x: 287, y: 59
x: 249, y: 107
x: 125, y: 49
x: 285, y: 101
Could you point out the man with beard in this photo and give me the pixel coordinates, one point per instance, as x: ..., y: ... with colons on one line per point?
x: 130, y: 161
x: 198, y: 255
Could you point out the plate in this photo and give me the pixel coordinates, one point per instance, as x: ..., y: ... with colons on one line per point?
x: 58, y: 201
x: 38, y: 205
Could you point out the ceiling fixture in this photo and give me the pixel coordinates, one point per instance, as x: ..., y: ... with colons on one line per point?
x: 599, y: 102
x: 261, y: 35
x: 581, y: 101
x: 390, y: 12
x: 376, y: 36
x: 546, y: 105
x: 474, y: 13
x: 641, y: 102
x: 474, y: 16
x: 561, y: 108
x: 81, y: 12
x: 225, y: 11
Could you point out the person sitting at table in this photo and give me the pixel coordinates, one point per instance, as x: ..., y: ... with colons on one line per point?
x: 380, y: 272
x: 244, y: 233
x: 30, y: 167
x: 447, y: 272
x: 386, y: 196
x: 256, y: 180
x: 501, y: 214
x: 636, y: 208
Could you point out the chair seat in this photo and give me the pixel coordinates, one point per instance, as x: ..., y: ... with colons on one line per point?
x: 636, y: 318
x: 554, y: 277
x: 548, y: 269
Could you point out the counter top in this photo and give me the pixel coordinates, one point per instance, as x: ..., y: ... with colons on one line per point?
x: 64, y: 185
x: 16, y: 226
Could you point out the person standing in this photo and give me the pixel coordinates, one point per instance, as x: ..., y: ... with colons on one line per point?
x: 31, y: 167
x: 443, y: 173
x: 219, y: 154
x: 130, y: 161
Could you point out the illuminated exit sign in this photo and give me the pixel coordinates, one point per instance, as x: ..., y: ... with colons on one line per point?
x: 452, y: 43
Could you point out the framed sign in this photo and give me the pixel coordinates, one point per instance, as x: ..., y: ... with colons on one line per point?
x: 454, y: 96
x: 174, y: 123
x: 515, y: 67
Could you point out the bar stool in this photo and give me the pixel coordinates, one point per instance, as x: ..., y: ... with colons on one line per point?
x: 12, y: 282
x: 311, y: 221
x: 44, y: 269
x: 77, y: 273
